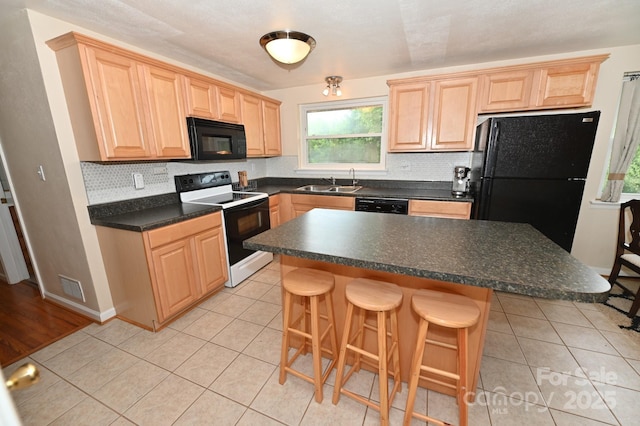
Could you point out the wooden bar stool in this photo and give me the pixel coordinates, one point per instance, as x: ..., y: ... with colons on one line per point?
x: 311, y: 285
x: 382, y: 298
x: 446, y: 310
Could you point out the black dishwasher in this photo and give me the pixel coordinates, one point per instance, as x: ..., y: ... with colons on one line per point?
x: 382, y: 205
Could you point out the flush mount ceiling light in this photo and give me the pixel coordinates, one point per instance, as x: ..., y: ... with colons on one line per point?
x: 288, y: 47
x: 333, y: 85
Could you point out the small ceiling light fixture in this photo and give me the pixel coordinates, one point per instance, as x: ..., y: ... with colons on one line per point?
x: 288, y: 47
x: 333, y: 85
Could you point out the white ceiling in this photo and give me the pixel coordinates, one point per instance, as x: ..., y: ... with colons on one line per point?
x: 355, y: 38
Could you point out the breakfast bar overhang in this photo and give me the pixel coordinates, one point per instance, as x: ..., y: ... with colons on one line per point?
x: 471, y: 258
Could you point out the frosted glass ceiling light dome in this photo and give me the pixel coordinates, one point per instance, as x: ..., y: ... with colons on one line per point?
x: 288, y: 47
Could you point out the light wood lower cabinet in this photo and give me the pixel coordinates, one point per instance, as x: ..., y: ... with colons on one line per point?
x: 158, y: 274
x: 294, y: 205
x: 447, y: 209
x: 274, y: 210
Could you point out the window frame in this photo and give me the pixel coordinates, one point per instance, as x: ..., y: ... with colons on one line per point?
x: 303, y: 163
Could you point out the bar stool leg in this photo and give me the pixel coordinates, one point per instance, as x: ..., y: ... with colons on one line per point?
x: 416, y: 363
x: 286, y: 320
x: 383, y: 376
x: 315, y: 347
x: 332, y: 333
x: 462, y: 372
x: 397, y: 380
x: 343, y: 353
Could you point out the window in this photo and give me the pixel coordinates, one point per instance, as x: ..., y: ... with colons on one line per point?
x: 623, y: 177
x: 344, y: 134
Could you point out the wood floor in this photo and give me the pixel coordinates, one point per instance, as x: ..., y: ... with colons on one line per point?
x: 29, y: 323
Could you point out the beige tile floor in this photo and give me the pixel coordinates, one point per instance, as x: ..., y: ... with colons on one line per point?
x: 545, y: 362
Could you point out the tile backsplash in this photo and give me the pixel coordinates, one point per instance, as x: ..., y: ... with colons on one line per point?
x: 106, y: 183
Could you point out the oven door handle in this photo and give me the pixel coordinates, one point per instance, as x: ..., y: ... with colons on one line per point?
x: 248, y: 206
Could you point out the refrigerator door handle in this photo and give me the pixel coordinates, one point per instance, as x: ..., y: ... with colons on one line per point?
x: 492, y: 149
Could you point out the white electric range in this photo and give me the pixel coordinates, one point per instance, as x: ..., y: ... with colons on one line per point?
x: 245, y: 214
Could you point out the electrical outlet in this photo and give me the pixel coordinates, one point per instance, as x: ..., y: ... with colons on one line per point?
x: 138, y: 181
x: 405, y: 166
x: 159, y: 170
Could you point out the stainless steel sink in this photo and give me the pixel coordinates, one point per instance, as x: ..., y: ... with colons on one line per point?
x: 344, y: 188
x: 314, y: 188
x: 329, y: 188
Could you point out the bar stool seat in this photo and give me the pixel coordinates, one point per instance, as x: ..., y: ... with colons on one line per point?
x: 311, y: 285
x: 446, y: 310
x: 382, y: 298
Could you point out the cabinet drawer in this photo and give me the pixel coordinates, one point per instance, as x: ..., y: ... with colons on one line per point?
x: 324, y: 201
x: 448, y: 209
x: 178, y: 231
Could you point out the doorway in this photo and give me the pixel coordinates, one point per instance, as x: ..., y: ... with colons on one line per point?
x: 15, y: 260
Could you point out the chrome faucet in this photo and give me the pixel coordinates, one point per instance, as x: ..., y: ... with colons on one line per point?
x: 352, y: 171
x: 331, y: 179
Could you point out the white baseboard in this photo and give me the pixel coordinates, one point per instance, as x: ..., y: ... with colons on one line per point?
x: 81, y: 309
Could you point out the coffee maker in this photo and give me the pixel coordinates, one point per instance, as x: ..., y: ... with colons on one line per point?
x: 460, y: 185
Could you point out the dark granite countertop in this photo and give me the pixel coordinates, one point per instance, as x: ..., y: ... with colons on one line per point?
x: 144, y: 214
x: 419, y: 190
x: 509, y: 257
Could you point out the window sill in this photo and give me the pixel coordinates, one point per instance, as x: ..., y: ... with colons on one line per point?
x: 324, y: 172
x: 598, y: 204
x: 606, y: 205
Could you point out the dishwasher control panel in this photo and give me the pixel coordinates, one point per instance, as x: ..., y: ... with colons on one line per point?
x: 382, y: 205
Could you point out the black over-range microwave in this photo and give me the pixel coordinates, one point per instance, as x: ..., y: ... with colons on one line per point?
x: 215, y: 140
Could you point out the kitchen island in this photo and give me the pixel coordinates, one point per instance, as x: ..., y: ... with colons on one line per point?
x: 471, y: 258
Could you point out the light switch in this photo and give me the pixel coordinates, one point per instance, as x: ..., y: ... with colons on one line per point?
x: 138, y: 181
x: 41, y: 173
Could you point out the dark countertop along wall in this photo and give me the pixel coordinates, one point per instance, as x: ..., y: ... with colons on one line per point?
x: 511, y: 257
x: 144, y: 214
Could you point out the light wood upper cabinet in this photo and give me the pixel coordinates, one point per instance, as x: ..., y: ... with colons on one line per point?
x: 510, y: 90
x: 201, y: 98
x: 439, y: 112
x: 117, y: 127
x: 454, y: 114
x: 446, y: 209
x: 409, y: 110
x: 136, y: 108
x: 271, y: 127
x: 126, y: 106
x: 164, y: 90
x: 567, y: 85
x: 437, y: 115
x: 228, y: 105
x: 261, y: 119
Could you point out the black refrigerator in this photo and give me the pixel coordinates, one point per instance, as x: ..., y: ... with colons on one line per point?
x: 532, y: 169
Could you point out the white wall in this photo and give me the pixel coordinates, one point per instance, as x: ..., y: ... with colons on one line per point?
x: 53, y: 228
